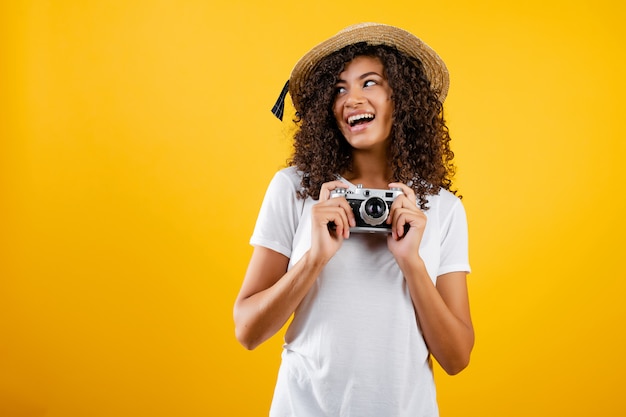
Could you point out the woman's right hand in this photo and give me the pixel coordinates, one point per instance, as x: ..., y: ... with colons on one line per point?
x: 271, y: 291
x: 331, y: 221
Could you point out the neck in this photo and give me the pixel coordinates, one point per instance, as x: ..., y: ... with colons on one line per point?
x: 370, y: 169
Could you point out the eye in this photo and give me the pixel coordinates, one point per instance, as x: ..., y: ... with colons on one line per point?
x: 340, y: 90
x: 370, y: 83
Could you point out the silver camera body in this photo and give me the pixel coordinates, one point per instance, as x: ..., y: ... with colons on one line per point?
x: 370, y: 207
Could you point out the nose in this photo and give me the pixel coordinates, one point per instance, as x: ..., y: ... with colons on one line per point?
x: 354, y: 97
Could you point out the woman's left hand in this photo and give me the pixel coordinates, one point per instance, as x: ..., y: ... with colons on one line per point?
x: 407, y: 225
x: 442, y: 309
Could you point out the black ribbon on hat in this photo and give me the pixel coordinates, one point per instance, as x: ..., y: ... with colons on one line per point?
x: 279, y: 107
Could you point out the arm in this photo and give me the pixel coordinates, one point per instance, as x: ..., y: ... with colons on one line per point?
x: 444, y: 315
x: 269, y: 293
x: 443, y: 310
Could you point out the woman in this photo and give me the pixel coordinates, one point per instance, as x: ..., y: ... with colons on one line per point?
x: 369, y: 309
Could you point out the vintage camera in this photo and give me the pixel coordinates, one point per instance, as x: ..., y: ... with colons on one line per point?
x: 370, y: 207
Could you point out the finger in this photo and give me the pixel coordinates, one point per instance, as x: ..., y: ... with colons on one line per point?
x: 327, y: 187
x: 335, y: 217
x: 399, y: 224
x: 351, y: 221
x: 338, y: 222
x: 343, y: 204
x: 401, y: 204
x: 405, y: 219
x: 408, y: 191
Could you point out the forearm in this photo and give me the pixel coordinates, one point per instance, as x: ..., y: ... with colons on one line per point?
x: 261, y: 315
x: 447, y: 330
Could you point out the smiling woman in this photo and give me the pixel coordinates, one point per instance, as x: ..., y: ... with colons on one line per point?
x: 368, y: 303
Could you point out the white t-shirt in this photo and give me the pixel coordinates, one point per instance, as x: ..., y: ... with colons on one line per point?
x: 354, y: 347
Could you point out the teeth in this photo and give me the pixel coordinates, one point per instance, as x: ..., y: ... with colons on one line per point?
x: 353, y: 119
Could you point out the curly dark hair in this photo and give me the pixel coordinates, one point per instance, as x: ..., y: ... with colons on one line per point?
x: 419, y: 148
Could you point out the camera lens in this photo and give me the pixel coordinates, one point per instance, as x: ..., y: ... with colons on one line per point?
x: 375, y: 207
x: 374, y: 211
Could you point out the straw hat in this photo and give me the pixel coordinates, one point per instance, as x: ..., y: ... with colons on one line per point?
x: 373, y: 34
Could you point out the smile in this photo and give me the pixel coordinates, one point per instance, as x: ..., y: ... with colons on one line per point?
x: 360, y: 118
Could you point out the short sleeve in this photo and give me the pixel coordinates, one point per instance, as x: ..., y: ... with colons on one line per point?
x: 454, y: 241
x: 279, y: 214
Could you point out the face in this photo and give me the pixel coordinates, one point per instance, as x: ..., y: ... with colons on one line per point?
x: 363, y: 108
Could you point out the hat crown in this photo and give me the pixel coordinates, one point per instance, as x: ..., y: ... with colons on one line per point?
x: 373, y: 34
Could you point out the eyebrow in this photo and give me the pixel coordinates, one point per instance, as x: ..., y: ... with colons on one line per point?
x: 362, y: 76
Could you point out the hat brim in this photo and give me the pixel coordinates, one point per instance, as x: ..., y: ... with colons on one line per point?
x: 374, y: 34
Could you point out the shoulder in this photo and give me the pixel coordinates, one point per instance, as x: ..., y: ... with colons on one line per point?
x: 283, y: 187
x: 444, y: 203
x: 289, y: 177
x: 443, y: 198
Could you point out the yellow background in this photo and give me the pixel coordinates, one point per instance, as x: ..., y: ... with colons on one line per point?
x: 136, y: 143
